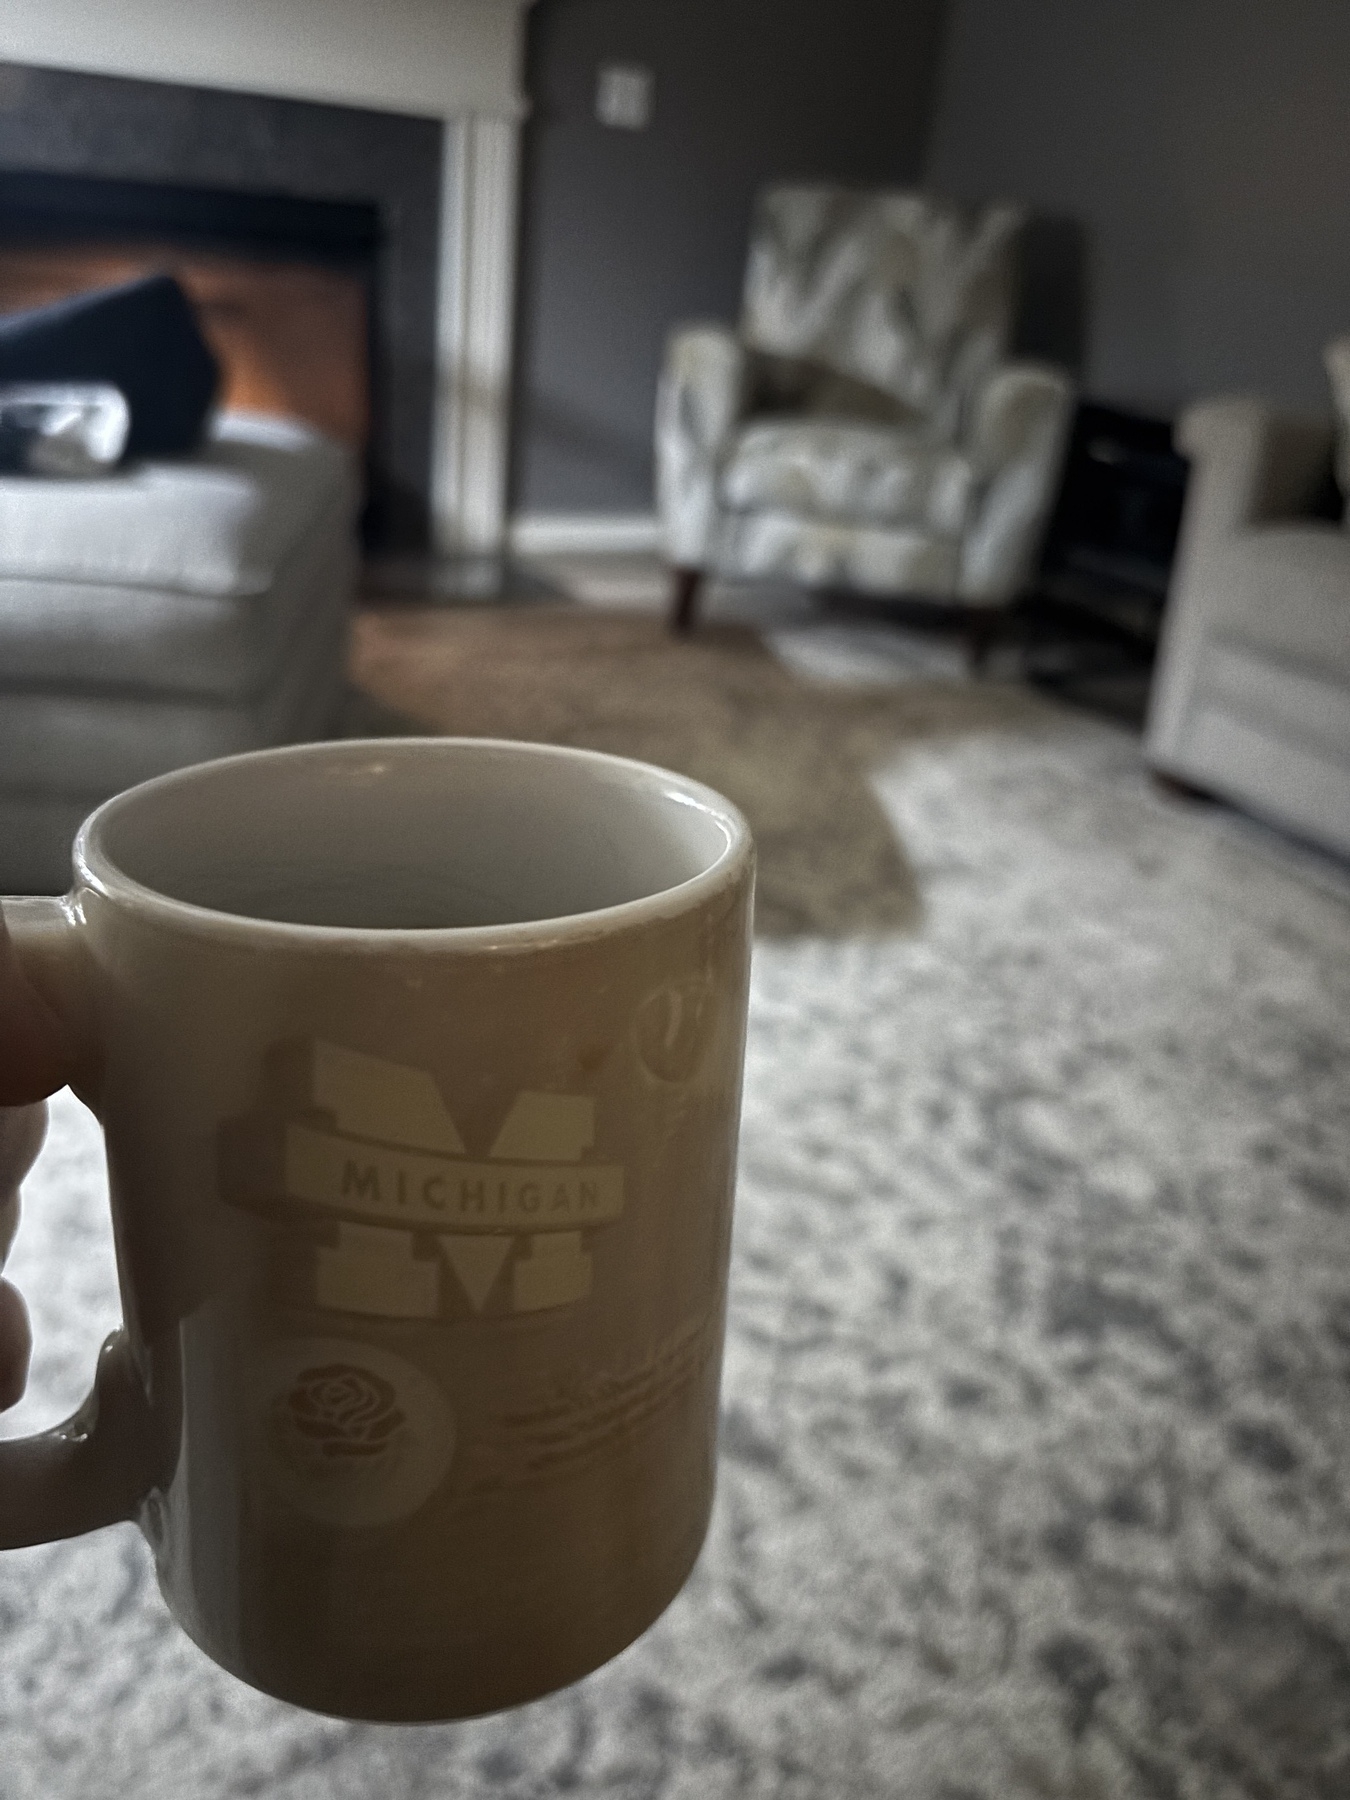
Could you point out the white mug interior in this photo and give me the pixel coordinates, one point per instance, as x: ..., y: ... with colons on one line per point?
x: 411, y: 834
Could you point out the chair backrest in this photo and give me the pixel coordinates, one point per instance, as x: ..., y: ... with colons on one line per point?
x: 906, y: 293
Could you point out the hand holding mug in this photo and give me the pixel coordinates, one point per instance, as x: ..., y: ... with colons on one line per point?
x: 34, y: 1062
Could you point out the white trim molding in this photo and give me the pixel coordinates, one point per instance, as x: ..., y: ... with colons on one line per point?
x: 584, y: 534
x: 455, y: 60
x: 480, y: 182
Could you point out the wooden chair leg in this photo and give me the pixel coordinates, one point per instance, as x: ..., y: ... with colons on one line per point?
x: 1177, y: 788
x: 684, y: 599
x: 983, y: 626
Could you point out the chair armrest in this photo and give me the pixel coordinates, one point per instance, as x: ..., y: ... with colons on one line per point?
x: 700, y: 397
x: 1018, y: 429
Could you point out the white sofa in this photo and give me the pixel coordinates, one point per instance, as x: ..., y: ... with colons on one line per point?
x: 175, y: 611
x: 863, y: 427
x: 1251, y: 691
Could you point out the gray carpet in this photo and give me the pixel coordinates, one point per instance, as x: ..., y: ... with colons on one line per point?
x: 1036, y: 1454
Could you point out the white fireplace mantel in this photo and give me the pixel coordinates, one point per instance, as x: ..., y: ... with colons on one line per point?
x: 455, y: 60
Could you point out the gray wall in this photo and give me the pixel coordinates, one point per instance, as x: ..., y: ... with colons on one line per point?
x: 626, y: 233
x: 1203, y: 146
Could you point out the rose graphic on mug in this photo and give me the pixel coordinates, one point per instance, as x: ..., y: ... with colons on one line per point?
x: 338, y: 1416
x: 343, y: 1410
x: 356, y: 1435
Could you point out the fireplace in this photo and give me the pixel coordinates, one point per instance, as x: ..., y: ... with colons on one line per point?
x: 281, y: 219
x: 285, y: 290
x: 412, y: 111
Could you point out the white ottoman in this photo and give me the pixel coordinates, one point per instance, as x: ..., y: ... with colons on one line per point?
x: 177, y: 611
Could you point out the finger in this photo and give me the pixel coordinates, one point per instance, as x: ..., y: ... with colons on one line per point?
x: 35, y: 1059
x: 16, y: 1345
x: 22, y: 1129
x: 9, y: 1224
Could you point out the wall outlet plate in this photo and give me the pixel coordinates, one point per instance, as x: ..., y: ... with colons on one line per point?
x: 624, y: 96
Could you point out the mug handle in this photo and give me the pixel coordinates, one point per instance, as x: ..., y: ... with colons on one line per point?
x: 93, y: 1469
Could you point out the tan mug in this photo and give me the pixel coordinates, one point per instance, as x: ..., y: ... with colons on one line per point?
x: 419, y: 1066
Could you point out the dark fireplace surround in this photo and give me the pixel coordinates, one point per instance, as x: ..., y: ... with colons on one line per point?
x: 96, y: 159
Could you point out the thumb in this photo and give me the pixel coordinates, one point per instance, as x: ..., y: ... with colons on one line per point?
x: 15, y: 1346
x: 35, y: 1057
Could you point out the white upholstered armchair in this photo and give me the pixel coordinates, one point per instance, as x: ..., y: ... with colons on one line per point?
x: 862, y: 428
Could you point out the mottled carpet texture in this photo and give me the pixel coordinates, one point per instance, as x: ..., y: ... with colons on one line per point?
x: 1036, y: 1452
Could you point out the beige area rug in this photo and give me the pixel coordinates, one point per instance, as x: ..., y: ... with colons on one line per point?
x: 791, y: 752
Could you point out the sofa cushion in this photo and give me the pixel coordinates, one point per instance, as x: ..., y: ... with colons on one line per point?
x: 848, y: 471
x: 84, y: 742
x: 86, y: 638
x: 218, y: 522
x: 1287, y: 593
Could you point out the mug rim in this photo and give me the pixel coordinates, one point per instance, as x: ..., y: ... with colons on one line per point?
x: 95, y: 870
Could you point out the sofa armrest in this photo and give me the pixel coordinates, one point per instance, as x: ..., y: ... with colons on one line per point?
x: 1018, y: 429
x: 1249, y: 464
x: 700, y: 397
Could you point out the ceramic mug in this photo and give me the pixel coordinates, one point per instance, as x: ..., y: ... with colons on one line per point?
x: 419, y: 1065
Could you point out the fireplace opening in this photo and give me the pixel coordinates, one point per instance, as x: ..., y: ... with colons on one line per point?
x: 285, y: 289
